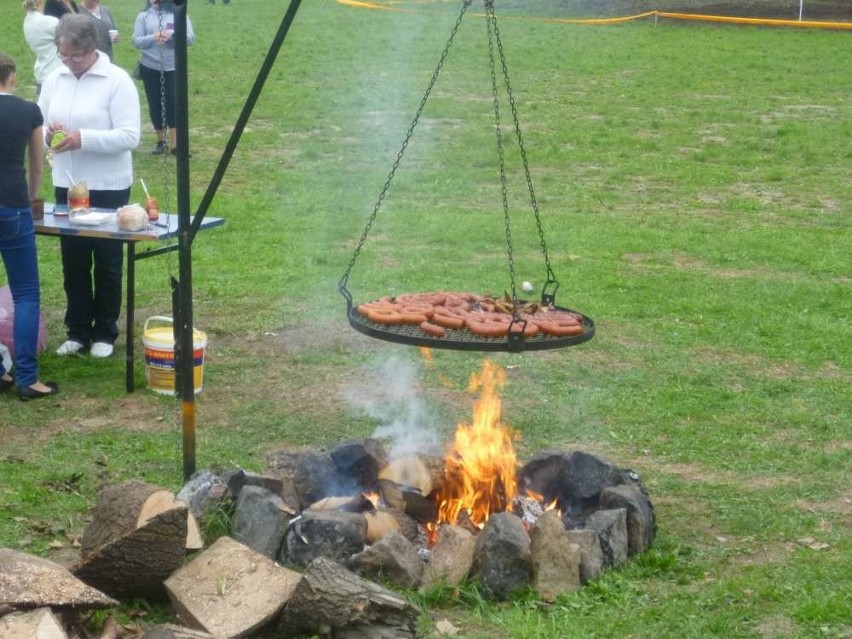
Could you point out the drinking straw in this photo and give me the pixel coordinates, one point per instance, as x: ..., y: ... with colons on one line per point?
x: 73, y: 182
x: 144, y: 188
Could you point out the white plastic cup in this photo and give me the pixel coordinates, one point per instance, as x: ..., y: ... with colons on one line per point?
x: 113, y: 34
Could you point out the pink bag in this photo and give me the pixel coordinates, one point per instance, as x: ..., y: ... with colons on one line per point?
x: 7, y: 319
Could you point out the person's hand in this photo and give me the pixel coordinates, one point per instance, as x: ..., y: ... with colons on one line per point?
x: 71, y: 142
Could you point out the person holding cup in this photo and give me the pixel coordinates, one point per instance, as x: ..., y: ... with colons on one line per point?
x: 102, y: 16
x: 153, y: 35
x: 21, y: 129
x: 94, y: 104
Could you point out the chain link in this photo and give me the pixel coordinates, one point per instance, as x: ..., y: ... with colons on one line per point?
x: 491, y: 26
x: 166, y: 206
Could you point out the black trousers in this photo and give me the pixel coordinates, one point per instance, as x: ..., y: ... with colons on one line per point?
x: 93, y: 296
x: 159, y: 95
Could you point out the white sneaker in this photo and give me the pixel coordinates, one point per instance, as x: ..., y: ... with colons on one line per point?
x: 101, y: 349
x: 70, y: 347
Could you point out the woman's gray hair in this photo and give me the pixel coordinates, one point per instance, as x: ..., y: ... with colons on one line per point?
x: 78, y: 31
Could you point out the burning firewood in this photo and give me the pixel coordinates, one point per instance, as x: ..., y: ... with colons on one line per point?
x: 349, y: 504
x: 380, y: 524
x: 408, y: 471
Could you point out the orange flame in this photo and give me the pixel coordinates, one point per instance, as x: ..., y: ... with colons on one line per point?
x: 481, y: 464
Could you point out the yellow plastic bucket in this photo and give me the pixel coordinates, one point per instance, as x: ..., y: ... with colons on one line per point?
x: 159, y: 344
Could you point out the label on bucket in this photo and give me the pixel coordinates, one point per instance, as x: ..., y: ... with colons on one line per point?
x: 160, y: 360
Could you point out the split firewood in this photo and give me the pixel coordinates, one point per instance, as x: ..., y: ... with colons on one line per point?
x: 35, y: 624
x: 380, y: 524
x: 349, y: 504
x: 27, y: 581
x: 332, y: 600
x: 124, y: 507
x: 408, y: 471
x: 137, y: 564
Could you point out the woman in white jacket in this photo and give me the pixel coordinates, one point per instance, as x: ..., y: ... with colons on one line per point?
x: 39, y: 31
x: 96, y: 105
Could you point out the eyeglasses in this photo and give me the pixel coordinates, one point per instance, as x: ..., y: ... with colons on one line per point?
x: 76, y: 59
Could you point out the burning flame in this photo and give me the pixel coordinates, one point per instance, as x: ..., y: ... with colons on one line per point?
x: 481, y: 464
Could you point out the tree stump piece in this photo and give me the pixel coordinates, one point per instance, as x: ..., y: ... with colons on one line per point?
x: 34, y: 582
x: 137, y: 564
x: 124, y: 507
x: 230, y: 590
x: 331, y: 600
x: 35, y: 624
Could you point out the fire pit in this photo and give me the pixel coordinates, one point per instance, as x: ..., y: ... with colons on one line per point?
x: 474, y: 508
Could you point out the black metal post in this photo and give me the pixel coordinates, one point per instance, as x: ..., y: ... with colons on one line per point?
x: 183, y: 325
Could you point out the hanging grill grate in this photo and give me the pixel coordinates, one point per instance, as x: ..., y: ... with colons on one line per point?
x: 463, y: 339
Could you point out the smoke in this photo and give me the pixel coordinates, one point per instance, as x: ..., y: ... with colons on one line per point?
x: 391, y: 396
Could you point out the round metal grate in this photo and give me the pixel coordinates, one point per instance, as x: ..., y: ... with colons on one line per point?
x: 463, y: 340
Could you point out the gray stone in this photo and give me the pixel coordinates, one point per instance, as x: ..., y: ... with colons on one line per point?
x: 556, y: 561
x: 575, y: 480
x: 360, y: 459
x: 323, y: 533
x: 611, y: 526
x: 592, y: 560
x: 260, y: 520
x: 641, y: 521
x: 502, y: 559
x: 202, y: 489
x: 313, y: 475
x: 451, y: 558
x: 392, y: 558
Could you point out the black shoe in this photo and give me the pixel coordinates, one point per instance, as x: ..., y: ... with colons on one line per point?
x: 159, y: 149
x: 6, y: 383
x: 25, y: 393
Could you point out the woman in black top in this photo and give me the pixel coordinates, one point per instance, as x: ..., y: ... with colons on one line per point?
x: 21, y: 134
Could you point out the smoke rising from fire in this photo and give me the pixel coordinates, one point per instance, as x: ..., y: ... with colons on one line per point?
x: 391, y: 395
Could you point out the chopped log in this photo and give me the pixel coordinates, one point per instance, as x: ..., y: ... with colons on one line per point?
x: 408, y: 471
x: 331, y: 600
x: 171, y: 631
x: 35, y: 624
x: 124, y: 507
x: 35, y: 582
x: 229, y: 590
x: 137, y: 564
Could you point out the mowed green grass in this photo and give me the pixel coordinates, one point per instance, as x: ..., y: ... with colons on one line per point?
x: 694, y: 184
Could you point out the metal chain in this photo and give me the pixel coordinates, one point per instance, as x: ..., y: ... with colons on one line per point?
x: 489, y: 20
x: 166, y: 206
x: 493, y: 18
x: 343, y: 280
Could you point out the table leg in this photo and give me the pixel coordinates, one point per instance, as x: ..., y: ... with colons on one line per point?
x: 130, y: 311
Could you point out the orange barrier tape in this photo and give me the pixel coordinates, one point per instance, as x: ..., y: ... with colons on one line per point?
x: 765, y: 22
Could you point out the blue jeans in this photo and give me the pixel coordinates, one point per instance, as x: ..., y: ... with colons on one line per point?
x: 17, y: 245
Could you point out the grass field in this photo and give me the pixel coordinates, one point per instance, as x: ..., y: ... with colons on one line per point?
x: 694, y: 188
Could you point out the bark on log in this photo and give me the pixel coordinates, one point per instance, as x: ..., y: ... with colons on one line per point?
x: 137, y: 564
x: 331, y: 600
x: 124, y: 507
